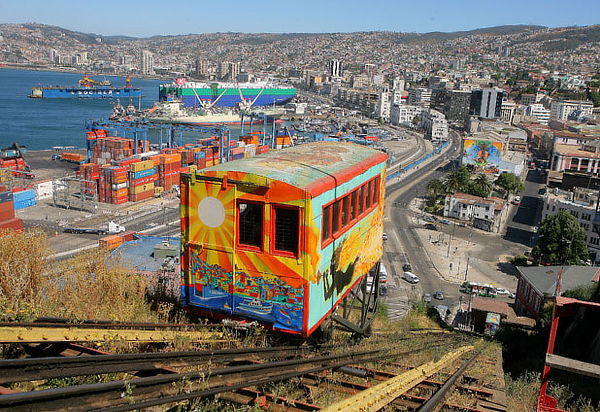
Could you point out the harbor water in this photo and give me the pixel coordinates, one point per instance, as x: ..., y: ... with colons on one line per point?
x: 44, y: 123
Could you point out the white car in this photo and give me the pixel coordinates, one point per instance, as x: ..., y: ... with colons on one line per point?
x: 502, y: 291
x: 385, y: 236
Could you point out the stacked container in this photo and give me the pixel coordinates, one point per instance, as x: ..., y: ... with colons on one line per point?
x: 142, y: 176
x: 24, y: 198
x: 107, y: 149
x: 113, y: 185
x: 7, y: 212
x: 169, y: 169
x: 91, y: 173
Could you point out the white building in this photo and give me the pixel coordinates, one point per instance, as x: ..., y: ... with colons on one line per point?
x: 487, y: 103
x: 403, y: 114
x: 202, y: 67
x: 233, y: 70
x: 398, y: 83
x: 384, y: 106
x: 581, y: 204
x: 434, y: 124
x: 334, y: 68
x: 563, y: 110
x: 483, y: 213
x: 147, y: 62
x: 539, y: 112
x: 508, y: 110
x: 419, y: 96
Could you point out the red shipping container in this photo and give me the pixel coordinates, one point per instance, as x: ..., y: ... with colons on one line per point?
x: 127, y: 236
x: 14, y: 224
x: 7, y: 215
x: 141, y: 196
x: 143, y: 180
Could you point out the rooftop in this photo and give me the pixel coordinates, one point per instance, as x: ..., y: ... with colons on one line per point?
x: 490, y: 305
x: 570, y: 150
x: 308, y: 166
x: 139, y: 253
x: 543, y: 278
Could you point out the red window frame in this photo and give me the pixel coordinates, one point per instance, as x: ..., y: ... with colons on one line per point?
x: 370, y: 190
x: 336, y: 217
x: 376, y: 190
x: 345, y: 211
x: 354, y: 206
x: 244, y: 246
x: 285, y: 253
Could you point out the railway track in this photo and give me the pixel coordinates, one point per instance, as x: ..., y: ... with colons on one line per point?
x: 244, y: 376
x: 63, y: 330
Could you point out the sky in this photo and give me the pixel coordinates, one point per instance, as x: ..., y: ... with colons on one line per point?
x: 167, y: 17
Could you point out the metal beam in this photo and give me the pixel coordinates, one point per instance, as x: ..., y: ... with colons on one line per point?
x: 572, y: 365
x: 20, y: 334
x: 384, y: 393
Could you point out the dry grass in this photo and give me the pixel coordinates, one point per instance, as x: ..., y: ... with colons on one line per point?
x: 83, y: 287
x: 22, y: 267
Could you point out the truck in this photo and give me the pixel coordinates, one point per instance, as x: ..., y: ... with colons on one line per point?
x: 110, y: 229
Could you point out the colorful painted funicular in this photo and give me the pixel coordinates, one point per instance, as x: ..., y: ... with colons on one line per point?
x: 291, y: 238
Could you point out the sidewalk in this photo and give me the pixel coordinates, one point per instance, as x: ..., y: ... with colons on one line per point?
x: 456, y: 260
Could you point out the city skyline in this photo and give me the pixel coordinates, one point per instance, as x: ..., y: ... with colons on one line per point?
x: 137, y: 19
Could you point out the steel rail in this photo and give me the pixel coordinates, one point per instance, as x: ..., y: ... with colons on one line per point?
x: 60, y: 333
x: 380, y: 395
x: 102, y: 324
x: 103, y: 395
x: 244, y: 384
x: 28, y: 369
x: 438, y: 397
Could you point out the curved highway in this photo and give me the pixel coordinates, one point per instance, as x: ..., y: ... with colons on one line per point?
x: 404, y: 245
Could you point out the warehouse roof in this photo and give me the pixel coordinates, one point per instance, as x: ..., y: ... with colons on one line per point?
x: 313, y: 167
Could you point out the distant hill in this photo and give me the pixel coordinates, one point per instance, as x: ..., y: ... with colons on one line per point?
x: 495, y: 31
x: 258, y: 38
x: 568, y: 38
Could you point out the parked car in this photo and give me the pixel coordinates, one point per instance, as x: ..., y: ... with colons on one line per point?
x: 516, y: 200
x: 431, y: 226
x: 385, y: 236
x: 407, y: 267
x: 439, y: 295
x: 502, y: 291
x: 445, y: 221
x: 427, y: 298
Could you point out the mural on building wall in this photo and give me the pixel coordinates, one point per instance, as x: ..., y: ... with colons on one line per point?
x: 484, y: 155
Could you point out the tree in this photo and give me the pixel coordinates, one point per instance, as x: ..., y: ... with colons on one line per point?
x: 458, y: 181
x: 482, y: 185
x: 561, y: 241
x: 509, y: 183
x: 435, y: 190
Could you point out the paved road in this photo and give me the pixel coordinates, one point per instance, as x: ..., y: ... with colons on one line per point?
x: 521, y: 219
x: 404, y: 245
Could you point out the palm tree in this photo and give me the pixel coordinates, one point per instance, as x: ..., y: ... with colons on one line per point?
x: 483, y: 184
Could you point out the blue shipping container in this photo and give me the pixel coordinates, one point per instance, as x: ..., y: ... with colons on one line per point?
x: 24, y: 195
x: 143, y: 173
x: 22, y: 204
